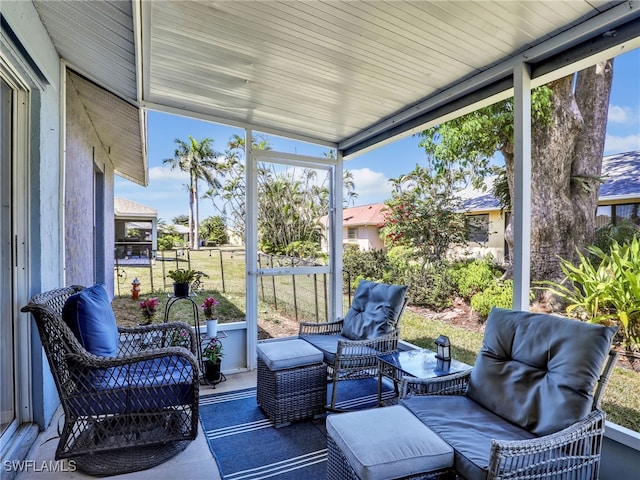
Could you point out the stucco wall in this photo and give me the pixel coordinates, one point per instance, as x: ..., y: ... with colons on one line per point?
x: 85, y: 157
x: 368, y: 238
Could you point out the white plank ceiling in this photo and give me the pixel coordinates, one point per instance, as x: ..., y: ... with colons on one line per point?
x: 329, y: 71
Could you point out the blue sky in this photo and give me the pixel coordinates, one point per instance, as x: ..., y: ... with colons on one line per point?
x: 371, y: 170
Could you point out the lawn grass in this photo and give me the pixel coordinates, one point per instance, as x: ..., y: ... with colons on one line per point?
x: 621, y: 400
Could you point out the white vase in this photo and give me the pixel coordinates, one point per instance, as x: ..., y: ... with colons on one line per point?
x: 212, y: 327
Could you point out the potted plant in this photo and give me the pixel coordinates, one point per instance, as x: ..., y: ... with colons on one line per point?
x: 148, y: 308
x: 209, y: 309
x: 182, y: 277
x: 212, y: 359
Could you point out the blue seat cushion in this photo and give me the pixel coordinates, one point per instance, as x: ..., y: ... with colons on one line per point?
x: 390, y: 442
x: 328, y: 345
x: 374, y: 311
x: 147, y: 385
x: 467, y: 427
x: 89, y: 315
x: 547, y: 366
x: 281, y: 355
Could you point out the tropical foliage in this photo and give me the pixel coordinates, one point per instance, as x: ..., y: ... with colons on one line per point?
x: 290, y: 200
x: 214, y: 230
x: 198, y: 160
x: 604, y: 288
x: 424, y: 213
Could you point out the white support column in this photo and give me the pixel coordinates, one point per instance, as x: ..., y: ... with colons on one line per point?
x: 154, y: 235
x: 251, y: 245
x: 522, y: 186
x: 335, y: 239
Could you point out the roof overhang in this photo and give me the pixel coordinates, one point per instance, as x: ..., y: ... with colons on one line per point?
x: 345, y: 74
x: 120, y: 126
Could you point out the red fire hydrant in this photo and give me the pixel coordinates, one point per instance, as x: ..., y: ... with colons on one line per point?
x: 135, y: 288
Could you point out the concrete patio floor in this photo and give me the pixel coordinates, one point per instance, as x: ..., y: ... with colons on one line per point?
x: 195, y: 463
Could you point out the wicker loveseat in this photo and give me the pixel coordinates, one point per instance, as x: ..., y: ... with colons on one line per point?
x: 529, y: 409
x: 125, y: 409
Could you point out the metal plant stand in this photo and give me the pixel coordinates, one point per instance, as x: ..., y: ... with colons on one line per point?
x: 200, y: 337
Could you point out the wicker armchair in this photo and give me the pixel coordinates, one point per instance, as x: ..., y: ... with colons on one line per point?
x: 351, y: 346
x: 569, y: 452
x: 126, y: 412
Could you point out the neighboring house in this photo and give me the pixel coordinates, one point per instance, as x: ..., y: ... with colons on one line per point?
x: 136, y: 234
x: 361, y: 226
x: 486, y: 223
x: 619, y: 199
x: 620, y: 193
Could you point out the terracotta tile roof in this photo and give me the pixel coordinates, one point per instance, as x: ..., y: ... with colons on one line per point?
x: 360, y: 216
x: 364, y: 215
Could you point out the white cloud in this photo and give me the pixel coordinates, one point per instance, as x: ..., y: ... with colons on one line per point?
x: 618, y: 114
x: 157, y: 174
x: 614, y: 144
x: 371, y: 186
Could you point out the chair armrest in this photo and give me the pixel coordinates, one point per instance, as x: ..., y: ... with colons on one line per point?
x: 145, y: 338
x: 324, y: 328
x: 455, y: 384
x: 553, y: 455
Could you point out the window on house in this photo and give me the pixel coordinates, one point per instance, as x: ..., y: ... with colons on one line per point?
x: 629, y: 211
x: 352, y: 233
x: 616, y: 214
x: 478, y: 228
x: 604, y: 215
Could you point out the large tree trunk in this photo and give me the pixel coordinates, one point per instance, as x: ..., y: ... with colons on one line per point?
x: 566, y: 157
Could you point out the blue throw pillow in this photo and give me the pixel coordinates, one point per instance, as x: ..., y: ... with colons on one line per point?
x: 90, y: 317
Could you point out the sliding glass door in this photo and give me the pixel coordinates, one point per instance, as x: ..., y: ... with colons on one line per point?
x: 7, y: 335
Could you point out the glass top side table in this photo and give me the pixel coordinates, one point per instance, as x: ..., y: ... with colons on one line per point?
x: 418, y: 363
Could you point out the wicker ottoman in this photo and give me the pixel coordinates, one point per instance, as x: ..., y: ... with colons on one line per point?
x: 384, y: 444
x: 292, y: 380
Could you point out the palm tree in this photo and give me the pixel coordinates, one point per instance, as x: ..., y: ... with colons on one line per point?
x: 198, y: 160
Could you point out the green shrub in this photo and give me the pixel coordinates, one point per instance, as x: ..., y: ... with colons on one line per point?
x: 431, y: 286
x: 214, y: 230
x: 623, y: 232
x: 167, y: 242
x: 471, y: 277
x: 371, y: 265
x: 303, y: 249
x: 400, y: 260
x: 498, y: 294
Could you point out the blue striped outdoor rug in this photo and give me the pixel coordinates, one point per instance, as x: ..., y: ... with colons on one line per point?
x: 247, y: 446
